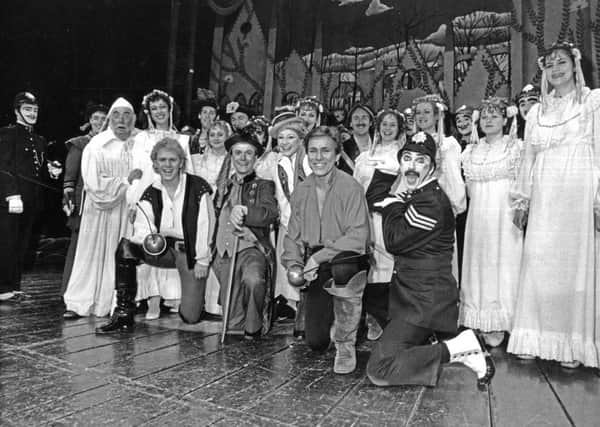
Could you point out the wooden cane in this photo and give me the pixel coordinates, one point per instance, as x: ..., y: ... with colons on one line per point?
x: 228, y: 289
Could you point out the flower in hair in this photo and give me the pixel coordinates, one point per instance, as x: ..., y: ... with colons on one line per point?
x: 419, y: 137
x: 512, y: 111
x: 232, y: 107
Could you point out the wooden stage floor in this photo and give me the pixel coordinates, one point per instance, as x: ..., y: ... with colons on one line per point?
x: 54, y: 372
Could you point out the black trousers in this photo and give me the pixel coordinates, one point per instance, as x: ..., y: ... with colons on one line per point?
x: 15, y: 236
x: 376, y: 301
x: 130, y: 254
x: 404, y: 356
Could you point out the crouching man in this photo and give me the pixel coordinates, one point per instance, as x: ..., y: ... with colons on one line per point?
x: 179, y: 207
x: 246, y: 209
x: 418, y: 229
x: 325, y: 245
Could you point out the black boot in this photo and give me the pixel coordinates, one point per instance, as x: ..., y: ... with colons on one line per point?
x: 122, y: 319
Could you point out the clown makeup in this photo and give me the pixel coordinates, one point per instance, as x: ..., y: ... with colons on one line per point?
x: 463, y: 124
x: 415, y: 168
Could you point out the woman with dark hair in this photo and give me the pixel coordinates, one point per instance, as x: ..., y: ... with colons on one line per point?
x: 557, y: 194
x: 158, y: 109
x: 389, y: 139
x: 527, y: 98
x: 493, y: 244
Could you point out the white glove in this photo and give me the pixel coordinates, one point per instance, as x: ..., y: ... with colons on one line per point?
x: 15, y: 204
x: 54, y: 169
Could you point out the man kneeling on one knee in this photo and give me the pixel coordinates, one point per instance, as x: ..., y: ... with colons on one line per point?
x: 325, y: 245
x: 418, y: 229
x: 179, y: 207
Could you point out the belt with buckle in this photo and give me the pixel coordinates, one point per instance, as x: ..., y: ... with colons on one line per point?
x: 175, y: 243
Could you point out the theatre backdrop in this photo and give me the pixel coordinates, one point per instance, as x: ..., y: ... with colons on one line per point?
x: 386, y: 52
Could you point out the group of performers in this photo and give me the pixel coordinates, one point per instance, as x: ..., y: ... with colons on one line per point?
x: 379, y: 217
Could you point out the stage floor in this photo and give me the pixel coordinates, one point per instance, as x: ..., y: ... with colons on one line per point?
x: 166, y: 373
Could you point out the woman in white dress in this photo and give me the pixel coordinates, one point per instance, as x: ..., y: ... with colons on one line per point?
x: 155, y: 283
x: 557, y: 195
x: 493, y: 244
x: 290, y: 169
x: 389, y: 139
x: 429, y: 117
x: 208, y: 165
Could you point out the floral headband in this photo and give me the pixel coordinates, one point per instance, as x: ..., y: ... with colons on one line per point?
x: 498, y: 104
x: 156, y: 93
x: 312, y: 102
x: 567, y: 47
x: 433, y: 99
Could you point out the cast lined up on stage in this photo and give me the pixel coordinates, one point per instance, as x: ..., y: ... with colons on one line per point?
x: 441, y: 234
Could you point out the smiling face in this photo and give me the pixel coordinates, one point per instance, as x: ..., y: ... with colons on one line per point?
x: 207, y: 116
x: 492, y: 121
x: 216, y: 137
x: 525, y: 105
x: 159, y: 113
x: 415, y: 167
x: 360, y: 121
x: 28, y: 113
x: 559, y: 68
x: 322, y: 155
x: 239, y: 120
x: 425, y: 117
x: 309, y: 115
x: 97, y: 120
x: 121, y: 122
x: 389, y: 128
x: 243, y: 157
x: 288, y: 142
x: 463, y: 124
x: 168, y: 165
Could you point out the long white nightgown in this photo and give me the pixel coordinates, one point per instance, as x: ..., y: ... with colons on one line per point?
x: 557, y: 315
x: 493, y: 244
x: 105, y: 166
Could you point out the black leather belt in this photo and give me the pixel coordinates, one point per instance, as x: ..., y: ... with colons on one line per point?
x: 175, y: 243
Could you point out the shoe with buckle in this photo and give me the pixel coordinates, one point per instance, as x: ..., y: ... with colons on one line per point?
x: 468, y: 348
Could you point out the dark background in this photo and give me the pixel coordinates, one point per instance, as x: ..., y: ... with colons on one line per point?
x: 70, y: 52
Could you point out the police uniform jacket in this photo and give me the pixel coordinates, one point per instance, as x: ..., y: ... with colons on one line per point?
x: 22, y: 163
x: 418, y: 229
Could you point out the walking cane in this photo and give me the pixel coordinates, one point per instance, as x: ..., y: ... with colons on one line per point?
x: 228, y: 289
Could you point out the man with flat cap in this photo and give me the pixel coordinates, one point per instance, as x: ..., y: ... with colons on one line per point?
x: 418, y: 229
x: 107, y: 176
x: 24, y: 172
x: 246, y: 209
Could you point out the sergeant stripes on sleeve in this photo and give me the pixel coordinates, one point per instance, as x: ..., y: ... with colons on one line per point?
x: 417, y: 220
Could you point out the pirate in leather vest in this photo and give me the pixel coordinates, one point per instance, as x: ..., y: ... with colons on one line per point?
x: 179, y: 207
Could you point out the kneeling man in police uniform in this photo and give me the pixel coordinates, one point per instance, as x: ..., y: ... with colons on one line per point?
x: 418, y: 229
x: 180, y: 208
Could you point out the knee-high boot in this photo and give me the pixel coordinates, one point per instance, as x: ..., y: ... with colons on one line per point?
x: 122, y: 319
